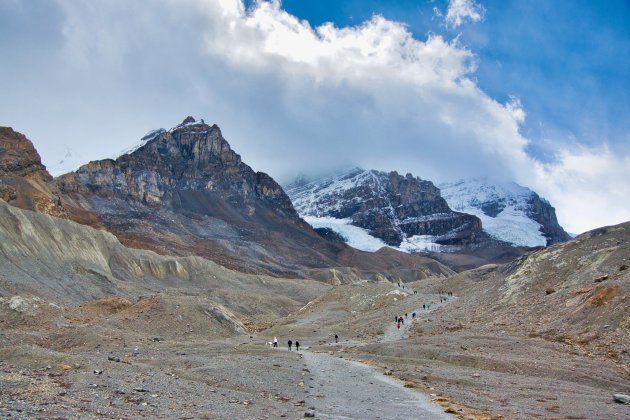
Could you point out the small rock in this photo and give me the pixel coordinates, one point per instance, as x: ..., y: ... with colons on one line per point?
x: 550, y: 290
x: 622, y: 398
x: 157, y: 339
x: 309, y: 414
x: 97, y: 372
x: 180, y: 353
x: 113, y: 359
x: 138, y: 389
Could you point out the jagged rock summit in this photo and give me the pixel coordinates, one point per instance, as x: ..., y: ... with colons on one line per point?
x: 171, y: 167
x: 24, y: 180
x: 402, y: 211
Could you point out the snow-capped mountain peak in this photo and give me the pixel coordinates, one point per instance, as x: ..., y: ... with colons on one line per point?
x: 508, y: 211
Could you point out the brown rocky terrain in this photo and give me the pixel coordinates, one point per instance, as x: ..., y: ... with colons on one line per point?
x: 24, y: 180
x: 91, y: 328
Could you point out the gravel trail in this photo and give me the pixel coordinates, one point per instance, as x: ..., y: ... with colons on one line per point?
x: 343, y: 389
x: 392, y: 333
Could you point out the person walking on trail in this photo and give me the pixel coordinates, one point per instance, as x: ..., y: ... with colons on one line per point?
x: 336, y: 338
x: 290, y: 344
x: 275, y: 342
x: 297, y: 345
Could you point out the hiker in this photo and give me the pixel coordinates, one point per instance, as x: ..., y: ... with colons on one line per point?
x: 297, y: 345
x: 290, y: 344
x: 406, y: 315
x: 336, y: 338
x: 275, y: 342
x: 423, y: 306
x: 413, y: 315
x: 398, y: 325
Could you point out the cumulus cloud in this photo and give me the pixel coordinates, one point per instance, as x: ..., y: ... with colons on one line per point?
x: 588, y: 187
x: 292, y: 98
x: 460, y: 10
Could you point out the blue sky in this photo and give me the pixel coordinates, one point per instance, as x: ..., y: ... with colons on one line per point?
x: 568, y: 61
x: 535, y: 92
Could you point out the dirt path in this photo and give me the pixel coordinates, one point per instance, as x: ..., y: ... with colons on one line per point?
x: 343, y: 389
x: 393, y: 333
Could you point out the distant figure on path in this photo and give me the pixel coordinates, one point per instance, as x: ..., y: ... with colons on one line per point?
x: 290, y: 344
x: 275, y: 342
x: 336, y: 338
x: 424, y: 306
x: 413, y: 315
x: 297, y: 345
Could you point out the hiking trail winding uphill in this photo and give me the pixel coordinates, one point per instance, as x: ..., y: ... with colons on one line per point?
x: 346, y: 389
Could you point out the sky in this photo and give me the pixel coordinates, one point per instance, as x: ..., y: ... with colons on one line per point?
x: 535, y: 92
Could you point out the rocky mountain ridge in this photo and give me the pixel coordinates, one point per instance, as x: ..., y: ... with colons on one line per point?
x: 24, y: 180
x: 190, y: 157
x: 508, y: 211
x: 394, y: 208
x: 185, y: 192
x: 472, y: 216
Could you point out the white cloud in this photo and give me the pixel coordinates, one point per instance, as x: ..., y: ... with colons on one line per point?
x: 588, y: 187
x: 291, y: 98
x: 460, y: 10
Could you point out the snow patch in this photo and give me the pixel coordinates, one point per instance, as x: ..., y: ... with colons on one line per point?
x: 145, y: 139
x: 356, y: 237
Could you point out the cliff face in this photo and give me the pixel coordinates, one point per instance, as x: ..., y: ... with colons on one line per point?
x: 24, y: 180
x: 542, y: 212
x: 191, y: 158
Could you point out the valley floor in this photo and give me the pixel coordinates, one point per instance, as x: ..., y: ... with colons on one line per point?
x: 86, y: 369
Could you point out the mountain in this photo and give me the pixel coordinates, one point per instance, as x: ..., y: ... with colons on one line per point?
x: 24, y: 180
x: 508, y: 211
x: 184, y: 192
x: 371, y: 208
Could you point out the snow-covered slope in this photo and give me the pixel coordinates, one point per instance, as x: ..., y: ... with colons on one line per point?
x: 508, y: 211
x: 371, y: 209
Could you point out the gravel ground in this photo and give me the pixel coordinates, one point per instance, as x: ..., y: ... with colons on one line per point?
x: 343, y: 389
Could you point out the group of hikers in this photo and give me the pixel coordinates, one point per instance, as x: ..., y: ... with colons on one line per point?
x: 290, y: 343
x: 401, y: 321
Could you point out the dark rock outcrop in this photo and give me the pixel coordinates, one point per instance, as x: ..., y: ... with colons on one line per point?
x: 24, y: 180
x: 542, y: 212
